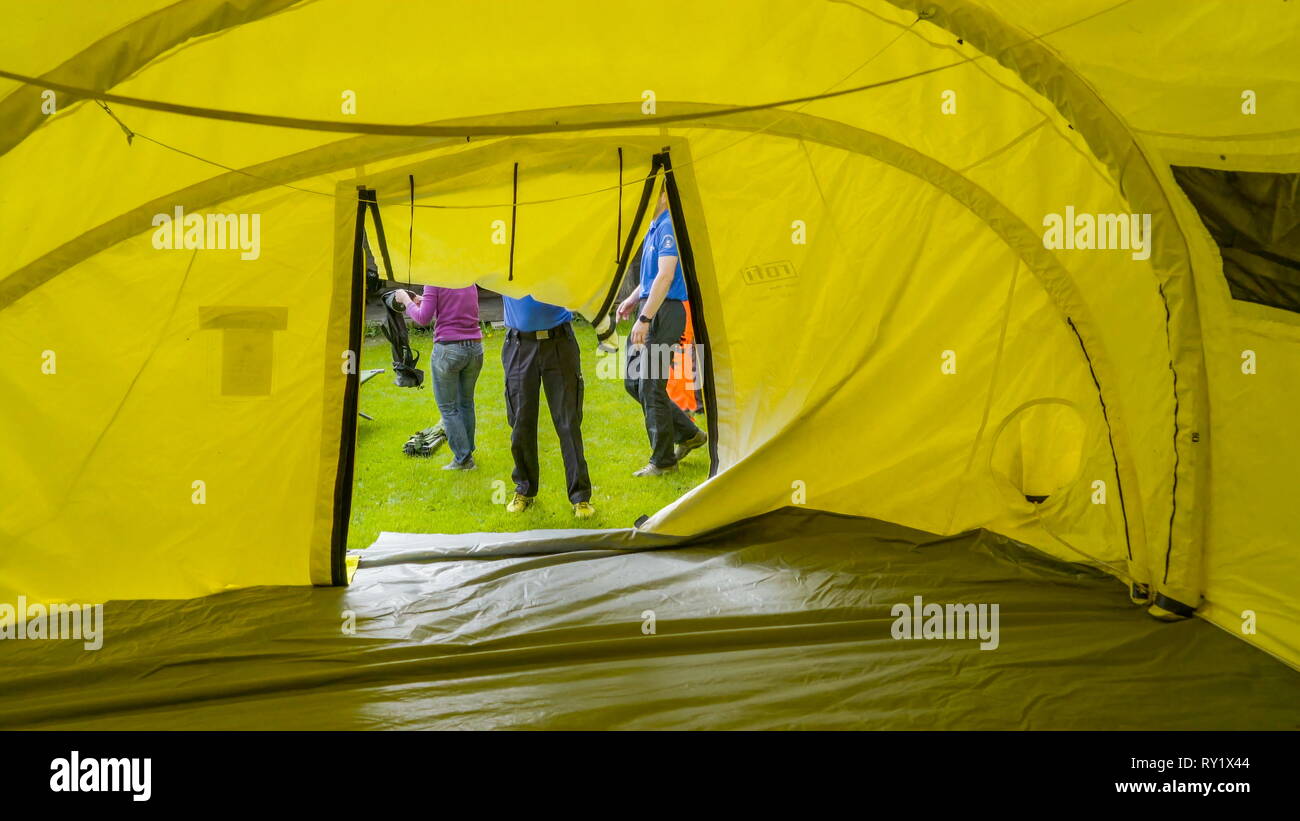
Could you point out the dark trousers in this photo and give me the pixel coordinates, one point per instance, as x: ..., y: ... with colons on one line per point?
x: 646, y: 379
x: 553, y: 364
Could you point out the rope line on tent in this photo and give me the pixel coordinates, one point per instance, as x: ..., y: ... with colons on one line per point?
x: 100, y: 97
x: 799, y: 108
x: 270, y: 182
x: 276, y: 183
x: 125, y: 395
x: 515, y: 203
x: 130, y: 135
x: 429, y: 130
x: 396, y: 130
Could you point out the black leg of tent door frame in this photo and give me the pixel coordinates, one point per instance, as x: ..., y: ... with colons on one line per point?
x: 647, y: 190
x: 351, y: 393
x: 697, y: 304
x: 371, y: 199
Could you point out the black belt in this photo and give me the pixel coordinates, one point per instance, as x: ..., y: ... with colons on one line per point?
x: 549, y: 333
x: 644, y: 300
x: 459, y: 342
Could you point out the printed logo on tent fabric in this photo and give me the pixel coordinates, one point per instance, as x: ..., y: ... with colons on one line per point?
x: 946, y: 621
x: 1100, y: 232
x: 58, y: 622
x: 768, y: 272
x: 209, y: 232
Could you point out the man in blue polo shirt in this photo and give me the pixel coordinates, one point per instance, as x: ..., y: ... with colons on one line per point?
x: 540, y: 351
x: 660, y: 323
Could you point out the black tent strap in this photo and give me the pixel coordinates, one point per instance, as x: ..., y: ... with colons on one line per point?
x: 696, y: 302
x: 410, y: 234
x: 514, y: 208
x: 1174, y: 606
x: 618, y: 230
x: 629, y: 244
x: 343, y: 478
x: 372, y: 268
x: 367, y: 196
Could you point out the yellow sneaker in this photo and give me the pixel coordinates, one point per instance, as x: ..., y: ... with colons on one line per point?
x: 584, y: 510
x: 519, y: 503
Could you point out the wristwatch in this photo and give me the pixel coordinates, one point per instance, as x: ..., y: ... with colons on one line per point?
x: 643, y: 318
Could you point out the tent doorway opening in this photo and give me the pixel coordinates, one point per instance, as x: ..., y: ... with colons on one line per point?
x: 494, y: 221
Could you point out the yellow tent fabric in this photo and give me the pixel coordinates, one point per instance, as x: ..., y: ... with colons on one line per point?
x: 864, y: 185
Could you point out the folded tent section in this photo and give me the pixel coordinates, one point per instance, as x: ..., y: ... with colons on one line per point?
x: 865, y: 187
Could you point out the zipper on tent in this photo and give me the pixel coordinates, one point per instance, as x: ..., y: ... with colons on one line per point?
x: 351, y: 391
x: 1110, y: 438
x: 697, y: 304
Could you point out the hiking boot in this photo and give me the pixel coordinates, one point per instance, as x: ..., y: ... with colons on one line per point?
x: 519, y: 503
x: 683, y: 448
x: 584, y: 510
x: 468, y: 464
x: 655, y: 470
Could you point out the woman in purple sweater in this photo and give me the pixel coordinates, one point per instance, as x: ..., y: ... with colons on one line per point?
x: 456, y: 361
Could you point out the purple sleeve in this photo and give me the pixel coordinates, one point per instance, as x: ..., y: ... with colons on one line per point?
x: 428, y: 307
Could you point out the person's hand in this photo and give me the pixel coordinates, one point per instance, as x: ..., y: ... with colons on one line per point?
x: 627, y: 306
x: 416, y: 299
x: 639, y: 331
x: 402, y: 297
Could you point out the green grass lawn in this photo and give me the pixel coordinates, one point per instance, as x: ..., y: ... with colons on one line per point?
x: 393, y: 491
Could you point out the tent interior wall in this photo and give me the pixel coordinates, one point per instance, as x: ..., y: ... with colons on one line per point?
x: 1077, y: 372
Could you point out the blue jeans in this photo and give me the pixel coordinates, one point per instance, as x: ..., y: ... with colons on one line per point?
x: 455, y: 367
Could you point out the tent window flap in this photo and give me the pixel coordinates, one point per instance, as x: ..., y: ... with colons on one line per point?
x: 1254, y: 218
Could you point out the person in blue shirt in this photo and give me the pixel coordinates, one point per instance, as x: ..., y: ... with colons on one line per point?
x: 541, y: 351
x: 660, y: 323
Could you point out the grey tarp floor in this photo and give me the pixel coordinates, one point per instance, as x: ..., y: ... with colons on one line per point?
x: 778, y: 622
